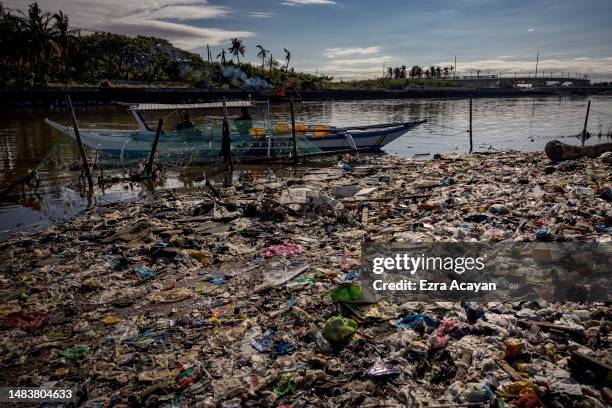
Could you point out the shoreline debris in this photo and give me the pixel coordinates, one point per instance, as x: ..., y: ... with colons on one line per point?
x: 253, y: 298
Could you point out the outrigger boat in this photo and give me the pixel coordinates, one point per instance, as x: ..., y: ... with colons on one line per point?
x: 204, y: 142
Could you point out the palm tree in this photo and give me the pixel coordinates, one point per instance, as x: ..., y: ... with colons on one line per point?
x: 222, y: 56
x: 66, y: 39
x: 263, y: 54
x: 39, y: 35
x: 237, y: 48
x: 11, y: 36
x: 287, y: 58
x: 272, y: 62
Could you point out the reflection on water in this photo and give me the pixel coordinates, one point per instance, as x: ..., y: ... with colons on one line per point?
x: 498, y: 123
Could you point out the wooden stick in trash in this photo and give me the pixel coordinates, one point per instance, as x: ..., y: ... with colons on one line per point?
x: 518, y: 377
x: 599, y: 367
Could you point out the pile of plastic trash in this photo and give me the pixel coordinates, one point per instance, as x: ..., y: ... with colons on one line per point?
x: 250, y: 296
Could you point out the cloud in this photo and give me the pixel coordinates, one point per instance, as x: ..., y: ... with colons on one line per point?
x: 306, y: 2
x: 181, y: 35
x: 350, y: 73
x: 531, y: 30
x: 356, y: 68
x: 261, y: 14
x: 362, y: 61
x: 138, y: 17
x: 189, y: 12
x: 342, y: 52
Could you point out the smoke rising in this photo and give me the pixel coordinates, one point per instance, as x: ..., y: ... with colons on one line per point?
x: 239, y: 77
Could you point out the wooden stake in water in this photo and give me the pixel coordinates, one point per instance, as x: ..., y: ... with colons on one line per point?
x: 471, y: 146
x: 226, y: 148
x: 79, y: 142
x: 149, y: 167
x: 295, y: 158
x: 586, y: 121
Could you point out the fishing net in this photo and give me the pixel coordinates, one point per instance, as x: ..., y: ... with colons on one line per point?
x: 258, y: 138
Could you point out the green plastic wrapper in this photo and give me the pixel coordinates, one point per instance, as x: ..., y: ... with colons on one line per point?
x: 347, y: 293
x: 338, y: 329
x: 75, y: 353
x: 284, y: 385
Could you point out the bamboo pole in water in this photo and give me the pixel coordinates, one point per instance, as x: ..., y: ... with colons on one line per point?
x: 295, y: 158
x: 77, y: 135
x: 586, y: 121
x: 149, y: 167
x: 471, y: 145
x: 226, y: 148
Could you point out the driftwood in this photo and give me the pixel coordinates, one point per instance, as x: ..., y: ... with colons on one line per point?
x: 558, y: 151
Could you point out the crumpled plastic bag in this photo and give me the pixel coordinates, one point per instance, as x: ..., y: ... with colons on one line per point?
x: 283, y: 249
x: 338, y: 329
x: 26, y: 321
x: 170, y: 296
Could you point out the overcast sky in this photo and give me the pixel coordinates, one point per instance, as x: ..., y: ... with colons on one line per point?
x: 353, y: 38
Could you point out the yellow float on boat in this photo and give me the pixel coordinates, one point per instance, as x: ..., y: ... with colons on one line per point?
x: 257, y: 132
x: 282, y: 127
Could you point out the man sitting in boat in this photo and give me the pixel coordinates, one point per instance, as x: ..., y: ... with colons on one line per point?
x: 244, y: 122
x: 186, y: 123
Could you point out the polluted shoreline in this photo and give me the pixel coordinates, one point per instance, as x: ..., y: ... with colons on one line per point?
x: 245, y: 295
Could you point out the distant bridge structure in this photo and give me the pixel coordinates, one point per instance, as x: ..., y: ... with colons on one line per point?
x: 480, y: 81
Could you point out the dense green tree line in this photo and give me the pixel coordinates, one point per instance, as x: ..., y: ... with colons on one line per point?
x: 38, y: 48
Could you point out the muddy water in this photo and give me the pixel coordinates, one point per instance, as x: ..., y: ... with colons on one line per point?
x: 26, y: 142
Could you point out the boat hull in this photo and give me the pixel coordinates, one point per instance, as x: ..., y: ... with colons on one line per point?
x: 128, y: 145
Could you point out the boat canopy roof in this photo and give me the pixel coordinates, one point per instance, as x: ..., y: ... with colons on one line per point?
x: 172, y: 106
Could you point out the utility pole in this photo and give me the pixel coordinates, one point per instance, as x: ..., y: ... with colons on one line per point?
x: 537, y: 62
x: 455, y: 67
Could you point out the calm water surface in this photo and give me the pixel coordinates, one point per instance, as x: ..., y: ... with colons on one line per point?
x: 498, y: 123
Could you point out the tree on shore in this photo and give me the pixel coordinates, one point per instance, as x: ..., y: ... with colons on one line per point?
x: 40, y: 41
x: 263, y: 54
x: 67, y: 40
x: 287, y: 58
x: 272, y: 63
x: 237, y: 49
x: 221, y: 57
